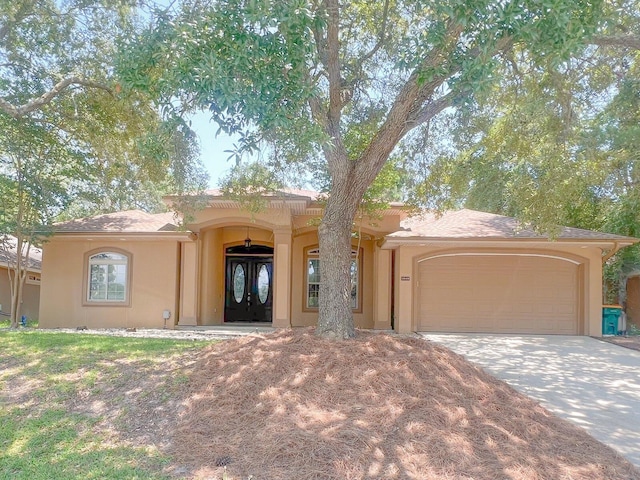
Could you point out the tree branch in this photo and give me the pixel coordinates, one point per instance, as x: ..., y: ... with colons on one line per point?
x: 37, y: 103
x: 321, y: 44
x: 317, y: 112
x: 23, y: 12
x: 414, y: 104
x: 430, y: 110
x: 408, y: 102
x: 382, y: 34
x: 629, y: 41
x: 335, y: 152
x: 333, y: 62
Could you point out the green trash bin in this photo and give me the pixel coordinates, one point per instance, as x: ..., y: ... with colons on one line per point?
x: 610, y: 317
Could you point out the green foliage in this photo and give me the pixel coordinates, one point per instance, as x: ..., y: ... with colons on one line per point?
x: 257, y: 66
x: 71, y: 141
x: 130, y: 157
x: 250, y: 185
x: 244, y: 62
x: 546, y: 145
x: 386, y: 188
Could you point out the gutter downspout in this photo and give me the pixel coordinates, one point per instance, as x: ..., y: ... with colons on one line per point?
x: 612, y: 252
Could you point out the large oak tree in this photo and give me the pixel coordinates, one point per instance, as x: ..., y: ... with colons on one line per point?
x: 343, y: 82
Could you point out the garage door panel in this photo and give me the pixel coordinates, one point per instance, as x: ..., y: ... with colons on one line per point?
x: 511, y: 294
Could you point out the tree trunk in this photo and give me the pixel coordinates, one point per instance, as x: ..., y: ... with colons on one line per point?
x: 16, y: 297
x: 335, y: 318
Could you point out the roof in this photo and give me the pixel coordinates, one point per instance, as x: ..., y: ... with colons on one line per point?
x: 451, y: 225
x: 130, y: 221
x: 471, y: 224
x: 285, y: 193
x: 8, y: 253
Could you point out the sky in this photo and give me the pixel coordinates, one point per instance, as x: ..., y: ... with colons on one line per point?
x: 212, y: 148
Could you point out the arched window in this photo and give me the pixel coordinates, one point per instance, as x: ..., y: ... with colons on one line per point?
x: 314, y: 280
x: 108, y: 278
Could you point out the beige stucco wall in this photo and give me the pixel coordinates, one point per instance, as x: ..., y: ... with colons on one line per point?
x: 234, y: 217
x: 364, y: 317
x: 406, y: 258
x: 290, y: 236
x: 30, y: 296
x: 211, y: 277
x: 154, y: 284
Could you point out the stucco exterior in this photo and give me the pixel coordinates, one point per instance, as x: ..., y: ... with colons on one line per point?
x: 30, y: 295
x: 233, y: 266
x: 30, y: 305
x: 154, y: 283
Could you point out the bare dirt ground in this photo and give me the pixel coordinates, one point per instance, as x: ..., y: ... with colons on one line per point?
x: 289, y: 405
x: 632, y: 341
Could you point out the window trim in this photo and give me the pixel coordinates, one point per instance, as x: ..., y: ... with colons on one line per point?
x: 86, y: 279
x: 313, y: 252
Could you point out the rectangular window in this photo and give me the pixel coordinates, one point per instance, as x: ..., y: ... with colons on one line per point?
x: 107, y: 277
x: 313, y: 283
x: 314, y: 279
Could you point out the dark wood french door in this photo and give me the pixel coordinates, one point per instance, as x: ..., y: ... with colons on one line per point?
x: 248, y: 291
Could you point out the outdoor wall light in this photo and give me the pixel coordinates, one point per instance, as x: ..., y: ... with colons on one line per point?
x: 247, y: 241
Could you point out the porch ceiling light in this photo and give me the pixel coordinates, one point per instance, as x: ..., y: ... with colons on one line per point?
x: 247, y: 241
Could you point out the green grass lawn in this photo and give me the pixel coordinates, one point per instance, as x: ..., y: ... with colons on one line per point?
x: 4, y: 322
x: 49, y: 386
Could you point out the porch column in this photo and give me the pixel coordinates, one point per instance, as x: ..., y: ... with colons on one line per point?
x: 211, y: 277
x: 281, y: 278
x: 189, y: 284
x: 404, y: 284
x: 381, y: 289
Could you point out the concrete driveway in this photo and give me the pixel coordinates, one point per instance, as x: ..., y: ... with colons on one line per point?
x: 594, y: 384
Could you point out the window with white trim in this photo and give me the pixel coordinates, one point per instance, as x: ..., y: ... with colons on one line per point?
x: 108, y: 277
x: 314, y: 280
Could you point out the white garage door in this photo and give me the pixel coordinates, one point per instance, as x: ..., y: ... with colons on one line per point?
x: 498, y: 293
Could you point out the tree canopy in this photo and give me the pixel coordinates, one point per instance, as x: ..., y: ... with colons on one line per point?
x: 344, y: 87
x: 72, y: 142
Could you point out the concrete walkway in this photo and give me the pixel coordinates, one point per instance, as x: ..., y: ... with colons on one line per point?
x: 594, y: 384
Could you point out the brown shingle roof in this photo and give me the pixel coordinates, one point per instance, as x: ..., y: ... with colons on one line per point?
x: 131, y: 221
x: 290, y: 193
x: 8, y: 253
x: 469, y: 224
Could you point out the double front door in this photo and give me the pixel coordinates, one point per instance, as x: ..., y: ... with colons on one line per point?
x: 249, y: 282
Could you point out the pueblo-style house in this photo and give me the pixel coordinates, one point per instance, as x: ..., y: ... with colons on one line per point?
x: 464, y: 271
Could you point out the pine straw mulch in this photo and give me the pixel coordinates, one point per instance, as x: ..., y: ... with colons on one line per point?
x: 290, y: 405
